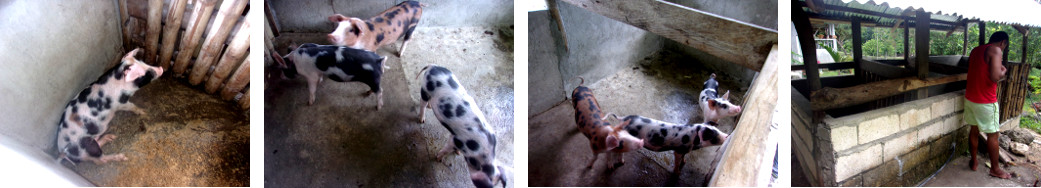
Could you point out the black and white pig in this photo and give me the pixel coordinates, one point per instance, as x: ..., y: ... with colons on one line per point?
x: 679, y: 138
x: 342, y: 64
x: 81, y: 130
x: 713, y: 106
x: 471, y: 134
x: 602, y: 136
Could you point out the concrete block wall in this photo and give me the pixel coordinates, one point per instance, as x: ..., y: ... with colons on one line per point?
x: 310, y: 16
x: 881, y: 147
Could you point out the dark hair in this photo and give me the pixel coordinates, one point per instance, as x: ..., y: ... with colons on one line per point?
x: 998, y: 37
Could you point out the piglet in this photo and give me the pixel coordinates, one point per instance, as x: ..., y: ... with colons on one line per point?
x: 471, y: 135
x: 602, y: 136
x: 713, y: 106
x: 81, y: 130
x: 341, y: 64
x: 380, y: 30
x: 679, y: 138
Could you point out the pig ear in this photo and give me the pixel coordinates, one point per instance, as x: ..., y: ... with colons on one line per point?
x: 611, y: 141
x: 337, y: 18
x: 133, y: 72
x: 129, y: 58
x: 357, y: 23
x: 711, y: 104
x: 726, y: 96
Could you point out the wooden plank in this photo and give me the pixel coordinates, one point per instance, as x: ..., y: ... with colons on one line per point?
x: 884, y: 70
x: 244, y: 101
x: 171, y: 30
x: 555, y: 13
x: 237, y: 50
x: 965, y: 42
x: 809, y: 52
x: 858, y: 49
x: 201, y: 11
x: 983, y: 32
x: 907, y: 43
x: 828, y: 66
x: 269, y: 17
x: 237, y: 81
x: 747, y: 148
x: 728, y: 39
x: 921, y: 39
x: 832, y: 98
x: 123, y: 18
x: 155, y: 22
x: 230, y: 12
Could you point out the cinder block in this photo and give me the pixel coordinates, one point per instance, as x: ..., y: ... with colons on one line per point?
x: 855, y: 181
x: 843, y: 138
x: 899, y: 145
x: 917, y: 156
x: 942, y: 107
x: 952, y: 123
x: 856, y: 163
x: 874, y: 129
x: 942, y: 146
x: 914, y: 117
x: 930, y: 132
x: 882, y: 174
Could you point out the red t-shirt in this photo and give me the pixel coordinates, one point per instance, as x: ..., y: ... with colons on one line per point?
x: 979, y: 88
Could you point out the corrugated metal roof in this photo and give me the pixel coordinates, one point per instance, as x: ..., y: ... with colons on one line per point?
x: 1022, y: 12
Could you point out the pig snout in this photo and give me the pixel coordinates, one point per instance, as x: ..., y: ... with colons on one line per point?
x: 735, y: 110
x: 158, y: 71
x: 630, y: 142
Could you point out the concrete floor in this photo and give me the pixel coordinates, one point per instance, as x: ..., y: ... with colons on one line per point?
x: 342, y: 140
x: 1026, y: 172
x: 663, y: 86
x: 187, y: 138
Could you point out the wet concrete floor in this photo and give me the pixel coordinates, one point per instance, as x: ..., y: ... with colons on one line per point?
x: 1025, y: 172
x: 664, y: 86
x: 187, y: 138
x: 342, y: 141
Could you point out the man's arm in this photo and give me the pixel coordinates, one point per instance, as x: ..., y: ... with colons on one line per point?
x: 997, y: 71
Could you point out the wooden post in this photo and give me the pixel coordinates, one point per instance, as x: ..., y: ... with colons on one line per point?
x: 983, y: 33
x: 201, y: 11
x: 237, y: 81
x: 921, y: 39
x: 237, y: 50
x: 858, y: 49
x: 554, y: 11
x: 965, y: 42
x: 1026, y: 32
x: 155, y: 20
x: 907, y: 42
x: 809, y: 49
x: 171, y: 31
x: 230, y: 12
x: 123, y: 17
x: 742, y: 162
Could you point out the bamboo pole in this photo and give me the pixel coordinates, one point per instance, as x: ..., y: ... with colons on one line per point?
x: 244, y: 101
x: 171, y: 30
x: 229, y: 13
x: 237, y: 50
x: 200, y: 17
x: 237, y: 81
x: 155, y: 22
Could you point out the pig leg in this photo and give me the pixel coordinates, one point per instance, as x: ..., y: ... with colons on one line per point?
x: 106, y: 139
x: 109, y: 158
x: 449, y: 148
x: 591, y: 162
x: 379, y: 100
x: 404, y: 42
x: 129, y: 106
x: 312, y: 84
x: 422, y: 111
x: 679, y: 163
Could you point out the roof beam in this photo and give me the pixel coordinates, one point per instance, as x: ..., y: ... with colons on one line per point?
x: 731, y: 40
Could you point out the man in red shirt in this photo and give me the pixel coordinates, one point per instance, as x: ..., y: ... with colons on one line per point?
x: 981, y: 102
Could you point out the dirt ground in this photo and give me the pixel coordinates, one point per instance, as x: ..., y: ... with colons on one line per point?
x: 1025, y: 172
x: 187, y: 138
x: 663, y: 86
x: 342, y: 140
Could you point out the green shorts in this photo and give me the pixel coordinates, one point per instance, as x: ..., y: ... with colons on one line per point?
x: 983, y: 115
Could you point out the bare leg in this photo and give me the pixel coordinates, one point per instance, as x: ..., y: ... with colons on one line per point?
x: 974, y: 133
x: 992, y: 148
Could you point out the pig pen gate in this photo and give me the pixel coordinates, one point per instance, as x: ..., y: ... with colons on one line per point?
x: 220, y: 61
x: 747, y: 155
x: 890, y: 123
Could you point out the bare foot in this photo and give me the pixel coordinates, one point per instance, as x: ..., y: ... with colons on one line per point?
x: 973, y: 164
x: 1000, y: 174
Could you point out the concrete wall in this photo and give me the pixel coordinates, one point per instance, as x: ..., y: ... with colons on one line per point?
x: 544, y: 80
x: 891, y: 146
x: 309, y: 16
x: 599, y: 46
x: 52, y: 50
x: 756, y: 12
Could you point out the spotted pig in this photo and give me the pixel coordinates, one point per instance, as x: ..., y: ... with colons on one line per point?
x: 714, y: 107
x: 81, y: 130
x: 602, y: 136
x: 471, y: 135
x: 380, y: 30
x: 665, y: 136
x: 341, y: 64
